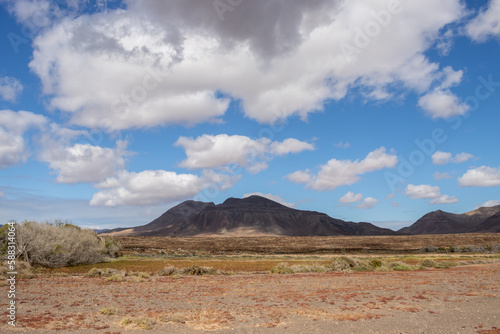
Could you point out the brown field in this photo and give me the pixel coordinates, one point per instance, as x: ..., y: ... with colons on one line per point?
x: 301, y: 245
x: 463, y: 299
x: 460, y: 293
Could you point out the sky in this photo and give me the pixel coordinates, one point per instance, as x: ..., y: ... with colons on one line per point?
x: 112, y: 112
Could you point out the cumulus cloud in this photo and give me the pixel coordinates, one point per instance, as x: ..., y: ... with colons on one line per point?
x: 490, y: 203
x: 367, y: 203
x: 272, y: 197
x: 462, y: 157
x: 133, y: 67
x: 444, y: 199
x: 425, y: 191
x: 350, y: 197
x: 422, y: 191
x: 209, y: 151
x: 153, y: 187
x: 481, y: 177
x: 486, y: 23
x: 85, y: 163
x: 442, y: 158
x: 442, y: 104
x: 344, y: 172
x: 13, y: 125
x: 10, y: 88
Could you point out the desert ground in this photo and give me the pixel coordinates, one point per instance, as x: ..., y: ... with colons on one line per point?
x: 459, y: 298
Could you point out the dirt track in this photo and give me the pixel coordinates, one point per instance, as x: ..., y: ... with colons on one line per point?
x: 458, y: 300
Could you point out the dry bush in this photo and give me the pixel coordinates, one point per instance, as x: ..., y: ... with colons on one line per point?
x: 197, y: 270
x: 428, y: 263
x: 60, y: 244
x: 108, y: 310
x: 401, y: 266
x: 167, y: 271
x: 282, y: 268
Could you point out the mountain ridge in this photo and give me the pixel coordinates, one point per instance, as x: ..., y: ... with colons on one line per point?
x: 260, y: 216
x: 250, y: 216
x: 481, y: 220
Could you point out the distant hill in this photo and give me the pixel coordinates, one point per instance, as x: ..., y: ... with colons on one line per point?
x: 251, y: 216
x: 482, y: 220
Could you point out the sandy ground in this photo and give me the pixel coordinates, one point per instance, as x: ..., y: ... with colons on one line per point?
x: 458, y: 300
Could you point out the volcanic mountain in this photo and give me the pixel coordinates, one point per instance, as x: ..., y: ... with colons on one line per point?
x: 482, y: 220
x: 251, y: 216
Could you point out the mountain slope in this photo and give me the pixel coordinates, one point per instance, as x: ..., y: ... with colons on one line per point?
x: 440, y: 222
x: 251, y: 216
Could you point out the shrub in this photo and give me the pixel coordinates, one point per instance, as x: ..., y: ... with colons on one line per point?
x: 376, y: 263
x: 401, y: 266
x: 125, y: 321
x: 107, y: 310
x: 59, y: 244
x: 428, y: 263
x: 144, y: 323
x: 178, y: 318
x: 115, y: 278
x: 197, y: 270
x: 167, y: 271
x: 282, y: 268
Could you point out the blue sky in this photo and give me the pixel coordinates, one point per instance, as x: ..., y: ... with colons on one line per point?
x: 111, y: 112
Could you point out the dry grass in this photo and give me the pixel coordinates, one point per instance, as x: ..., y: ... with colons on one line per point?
x: 141, y: 267
x: 304, y: 245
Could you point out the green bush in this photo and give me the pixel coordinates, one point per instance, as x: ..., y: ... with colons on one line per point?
x: 376, y: 263
x: 401, y: 266
x: 428, y: 263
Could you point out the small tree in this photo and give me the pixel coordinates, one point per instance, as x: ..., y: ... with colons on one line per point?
x: 60, y: 244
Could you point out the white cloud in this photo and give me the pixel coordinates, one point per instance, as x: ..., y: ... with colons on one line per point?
x: 85, y: 163
x: 13, y: 125
x: 441, y: 176
x: 290, y: 145
x: 344, y: 172
x: 444, y: 199
x: 425, y: 191
x: 462, y: 157
x: 153, y: 187
x: 489, y: 203
x: 350, y: 197
x: 10, y: 88
x: 481, y: 177
x: 422, y: 191
x: 133, y: 67
x: 442, y: 104
x: 2, y: 194
x: 486, y: 23
x: 209, y: 151
x: 441, y: 158
x: 272, y: 197
x: 368, y: 203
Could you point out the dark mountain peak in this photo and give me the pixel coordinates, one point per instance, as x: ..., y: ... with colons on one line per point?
x: 250, y: 216
x: 252, y: 201
x: 439, y: 222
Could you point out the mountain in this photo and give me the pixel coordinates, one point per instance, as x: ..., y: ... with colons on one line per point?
x: 251, y: 216
x: 483, y: 220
